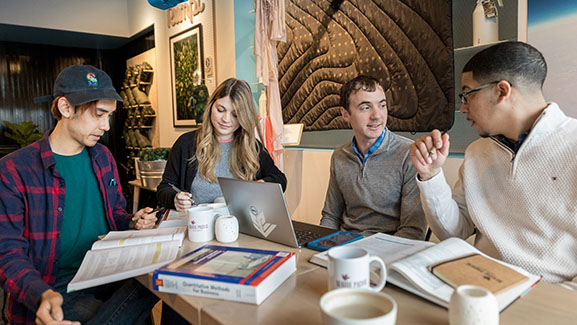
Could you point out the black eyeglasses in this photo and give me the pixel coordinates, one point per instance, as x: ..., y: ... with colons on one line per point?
x: 463, y: 96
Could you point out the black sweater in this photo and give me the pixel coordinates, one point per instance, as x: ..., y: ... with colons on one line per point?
x: 180, y: 172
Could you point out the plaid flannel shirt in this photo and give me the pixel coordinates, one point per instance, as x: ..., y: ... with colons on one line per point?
x: 31, y: 208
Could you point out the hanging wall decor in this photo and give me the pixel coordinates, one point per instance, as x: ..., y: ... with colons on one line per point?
x: 406, y: 44
x: 189, y: 94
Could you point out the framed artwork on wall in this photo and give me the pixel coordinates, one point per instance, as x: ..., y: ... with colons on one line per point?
x: 189, y: 93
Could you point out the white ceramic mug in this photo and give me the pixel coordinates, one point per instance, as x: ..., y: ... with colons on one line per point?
x: 200, y: 224
x: 226, y: 229
x: 349, y: 267
x: 218, y: 209
x: 358, y: 307
x: 471, y: 304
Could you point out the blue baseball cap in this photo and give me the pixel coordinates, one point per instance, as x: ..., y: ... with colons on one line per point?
x: 81, y: 84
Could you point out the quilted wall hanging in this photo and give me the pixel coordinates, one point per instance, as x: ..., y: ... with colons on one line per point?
x: 406, y: 44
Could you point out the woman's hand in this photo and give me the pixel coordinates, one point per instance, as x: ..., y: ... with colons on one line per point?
x: 183, y: 201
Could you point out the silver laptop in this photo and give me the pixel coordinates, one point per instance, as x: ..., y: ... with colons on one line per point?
x: 262, y: 212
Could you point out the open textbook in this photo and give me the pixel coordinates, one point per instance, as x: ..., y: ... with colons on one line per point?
x: 124, y: 254
x: 408, y: 260
x: 172, y: 218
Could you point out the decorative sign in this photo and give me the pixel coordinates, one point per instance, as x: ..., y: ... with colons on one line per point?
x: 184, y: 10
x: 208, y: 67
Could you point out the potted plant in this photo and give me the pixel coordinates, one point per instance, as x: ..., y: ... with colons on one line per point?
x: 150, y: 165
x: 23, y: 133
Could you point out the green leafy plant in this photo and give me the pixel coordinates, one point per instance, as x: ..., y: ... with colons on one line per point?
x: 152, y: 154
x: 198, y: 102
x: 24, y: 133
x: 191, y: 93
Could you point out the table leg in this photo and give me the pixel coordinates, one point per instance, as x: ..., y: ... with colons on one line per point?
x: 135, y: 199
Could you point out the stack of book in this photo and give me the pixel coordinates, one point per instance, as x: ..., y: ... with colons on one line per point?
x: 228, y: 273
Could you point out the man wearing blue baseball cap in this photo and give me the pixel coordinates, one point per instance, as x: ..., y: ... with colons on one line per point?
x: 58, y: 195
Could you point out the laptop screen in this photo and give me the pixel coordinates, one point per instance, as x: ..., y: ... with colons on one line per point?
x: 260, y: 208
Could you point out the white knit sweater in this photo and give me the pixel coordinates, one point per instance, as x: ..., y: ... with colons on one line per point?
x: 523, y: 206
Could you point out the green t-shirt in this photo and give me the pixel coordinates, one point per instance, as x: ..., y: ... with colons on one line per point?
x: 84, y: 216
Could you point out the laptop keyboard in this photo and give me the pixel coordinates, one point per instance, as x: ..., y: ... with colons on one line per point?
x: 305, y: 236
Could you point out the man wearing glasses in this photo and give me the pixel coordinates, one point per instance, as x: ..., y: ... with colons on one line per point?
x: 517, y: 186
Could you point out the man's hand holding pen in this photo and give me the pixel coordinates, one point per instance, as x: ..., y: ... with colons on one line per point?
x: 182, y: 200
x: 144, y: 219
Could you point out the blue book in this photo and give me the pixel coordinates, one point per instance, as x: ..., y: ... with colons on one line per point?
x: 227, y: 273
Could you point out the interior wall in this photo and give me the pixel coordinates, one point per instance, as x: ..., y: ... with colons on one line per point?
x: 106, y: 17
x: 140, y: 15
x: 553, y: 30
x: 224, y: 62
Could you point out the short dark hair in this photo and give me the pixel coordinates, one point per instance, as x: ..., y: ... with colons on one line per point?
x: 519, y: 63
x: 366, y: 83
x: 77, y: 109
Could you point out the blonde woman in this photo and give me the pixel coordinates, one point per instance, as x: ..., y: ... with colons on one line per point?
x: 224, y: 146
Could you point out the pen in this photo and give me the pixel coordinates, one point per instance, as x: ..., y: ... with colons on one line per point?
x: 434, y: 149
x: 175, y: 188
x: 179, y: 190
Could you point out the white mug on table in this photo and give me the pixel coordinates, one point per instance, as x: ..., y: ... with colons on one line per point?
x: 218, y: 209
x: 200, y: 224
x: 349, y: 267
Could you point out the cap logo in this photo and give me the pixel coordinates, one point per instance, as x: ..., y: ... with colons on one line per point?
x: 92, y: 81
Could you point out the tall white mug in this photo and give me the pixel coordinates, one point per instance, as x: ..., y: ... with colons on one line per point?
x: 349, y: 267
x: 200, y: 224
x: 471, y: 305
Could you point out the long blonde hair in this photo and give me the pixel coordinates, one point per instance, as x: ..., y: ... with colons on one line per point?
x: 243, y: 161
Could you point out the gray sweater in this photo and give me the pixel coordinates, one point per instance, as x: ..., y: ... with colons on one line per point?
x: 379, y: 196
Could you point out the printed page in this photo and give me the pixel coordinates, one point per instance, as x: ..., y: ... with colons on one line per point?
x: 113, y: 264
x: 173, y: 218
x: 139, y: 237
x: 414, y: 269
x: 389, y: 248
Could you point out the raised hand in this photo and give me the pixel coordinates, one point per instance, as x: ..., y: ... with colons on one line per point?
x: 429, y: 153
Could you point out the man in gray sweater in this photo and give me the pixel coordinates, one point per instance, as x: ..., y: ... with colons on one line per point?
x: 372, y: 184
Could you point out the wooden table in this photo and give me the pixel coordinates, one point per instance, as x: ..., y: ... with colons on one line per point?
x: 296, y: 301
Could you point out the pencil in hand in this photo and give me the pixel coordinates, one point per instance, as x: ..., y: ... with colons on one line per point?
x: 179, y: 191
x: 175, y: 188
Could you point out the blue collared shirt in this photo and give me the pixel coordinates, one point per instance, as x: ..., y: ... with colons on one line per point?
x: 371, y: 149
x: 513, y: 145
